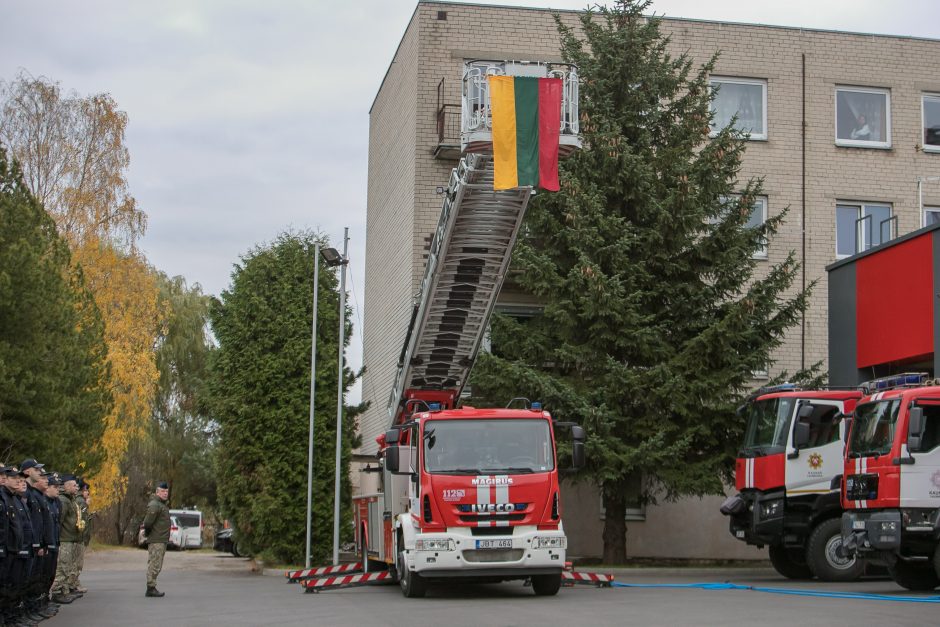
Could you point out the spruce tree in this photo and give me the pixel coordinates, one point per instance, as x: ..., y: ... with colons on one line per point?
x: 54, y: 385
x: 259, y: 391
x: 654, y: 317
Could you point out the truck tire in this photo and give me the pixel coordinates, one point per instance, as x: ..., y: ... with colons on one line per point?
x: 917, y: 577
x: 822, y: 556
x: 791, y: 563
x: 413, y: 585
x: 546, y: 585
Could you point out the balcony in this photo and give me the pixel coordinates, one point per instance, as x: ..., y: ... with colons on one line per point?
x: 468, y: 127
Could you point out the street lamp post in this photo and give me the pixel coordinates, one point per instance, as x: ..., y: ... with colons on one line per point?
x: 313, y: 387
x: 339, y: 394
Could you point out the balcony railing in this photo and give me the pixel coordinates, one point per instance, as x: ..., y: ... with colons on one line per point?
x: 476, y: 116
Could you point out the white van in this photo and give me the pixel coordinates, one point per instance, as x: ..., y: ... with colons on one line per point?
x: 191, y: 524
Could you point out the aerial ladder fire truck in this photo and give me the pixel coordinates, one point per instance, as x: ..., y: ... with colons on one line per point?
x: 469, y: 494
x: 788, y: 475
x: 891, y: 491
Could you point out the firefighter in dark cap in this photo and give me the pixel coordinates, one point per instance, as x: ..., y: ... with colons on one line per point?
x: 22, y: 545
x: 43, y: 538
x: 52, y: 497
x: 14, y: 549
x: 157, y: 532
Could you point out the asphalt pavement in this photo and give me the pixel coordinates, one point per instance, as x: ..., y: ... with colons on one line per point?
x: 214, y: 589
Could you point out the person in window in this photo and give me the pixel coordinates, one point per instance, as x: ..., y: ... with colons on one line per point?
x: 861, y: 131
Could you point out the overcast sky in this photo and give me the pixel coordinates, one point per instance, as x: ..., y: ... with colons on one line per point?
x: 248, y: 117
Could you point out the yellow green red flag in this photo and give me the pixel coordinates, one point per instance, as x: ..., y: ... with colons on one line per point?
x: 526, y: 121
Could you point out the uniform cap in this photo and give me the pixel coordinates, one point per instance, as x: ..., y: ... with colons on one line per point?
x: 65, y: 478
x: 163, y: 485
x: 30, y: 463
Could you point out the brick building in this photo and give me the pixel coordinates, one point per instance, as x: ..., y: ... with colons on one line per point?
x: 842, y: 126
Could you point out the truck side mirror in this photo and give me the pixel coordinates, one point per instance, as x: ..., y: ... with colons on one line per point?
x: 577, y: 455
x: 392, y: 459
x: 577, y: 433
x: 800, y: 434
x: 806, y: 412
x: 915, y: 428
x: 392, y: 436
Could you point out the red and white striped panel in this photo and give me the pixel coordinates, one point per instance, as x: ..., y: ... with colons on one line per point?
x: 590, y: 578
x: 295, y: 575
x: 342, y: 581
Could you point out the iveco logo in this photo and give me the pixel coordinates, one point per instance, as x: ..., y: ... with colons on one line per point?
x: 491, y: 481
x: 485, y: 508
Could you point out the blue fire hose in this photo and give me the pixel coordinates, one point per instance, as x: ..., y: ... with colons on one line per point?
x: 864, y: 596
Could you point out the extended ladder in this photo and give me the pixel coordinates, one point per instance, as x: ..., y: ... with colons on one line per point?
x: 467, y: 263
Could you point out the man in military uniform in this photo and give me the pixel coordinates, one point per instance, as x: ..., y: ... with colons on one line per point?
x: 71, y: 526
x: 83, y: 501
x: 52, y: 497
x: 157, y: 533
x: 38, y: 591
x: 22, y: 544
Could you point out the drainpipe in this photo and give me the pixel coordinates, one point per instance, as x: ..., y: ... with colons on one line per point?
x: 803, y: 217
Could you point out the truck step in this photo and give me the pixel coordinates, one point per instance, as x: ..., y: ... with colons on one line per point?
x: 345, y: 581
x: 293, y: 576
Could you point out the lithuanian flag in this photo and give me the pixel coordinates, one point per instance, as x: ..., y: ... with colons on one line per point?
x: 526, y: 119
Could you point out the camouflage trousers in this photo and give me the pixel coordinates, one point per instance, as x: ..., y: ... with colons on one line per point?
x: 155, y: 553
x: 66, y: 571
x: 79, y: 564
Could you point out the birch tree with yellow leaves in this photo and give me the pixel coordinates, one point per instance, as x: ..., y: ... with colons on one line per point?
x: 73, y: 158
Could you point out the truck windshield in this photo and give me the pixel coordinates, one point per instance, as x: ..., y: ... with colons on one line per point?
x: 768, y: 423
x: 873, y: 428
x: 475, y: 447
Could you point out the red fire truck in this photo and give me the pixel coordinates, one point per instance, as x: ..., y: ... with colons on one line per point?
x: 788, y: 475
x: 470, y: 494
x: 891, y: 491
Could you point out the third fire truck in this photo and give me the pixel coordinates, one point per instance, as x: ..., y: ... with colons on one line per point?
x: 788, y: 475
x: 892, y: 480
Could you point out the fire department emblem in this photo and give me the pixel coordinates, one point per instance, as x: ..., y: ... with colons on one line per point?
x: 936, y: 478
x: 815, y: 461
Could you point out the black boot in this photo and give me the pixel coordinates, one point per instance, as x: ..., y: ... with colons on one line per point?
x: 153, y: 592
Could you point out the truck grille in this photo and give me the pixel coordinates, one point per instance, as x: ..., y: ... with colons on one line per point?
x: 474, y: 518
x: 493, y: 555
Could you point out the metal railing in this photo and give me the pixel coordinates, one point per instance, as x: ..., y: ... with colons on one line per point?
x: 476, y: 113
x: 448, y: 124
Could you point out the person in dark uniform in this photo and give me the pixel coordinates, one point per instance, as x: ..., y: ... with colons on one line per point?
x: 19, y: 567
x: 52, y: 497
x: 42, y: 536
x: 11, y: 538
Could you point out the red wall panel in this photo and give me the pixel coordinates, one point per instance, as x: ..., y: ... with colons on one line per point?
x: 894, y: 303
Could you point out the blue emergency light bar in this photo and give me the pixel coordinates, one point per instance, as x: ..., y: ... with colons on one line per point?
x: 434, y: 407
x: 882, y: 384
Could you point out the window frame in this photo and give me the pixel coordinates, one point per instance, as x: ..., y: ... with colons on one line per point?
x: 934, y: 148
x: 929, y: 209
x: 856, y: 143
x: 762, y: 82
x: 860, y: 204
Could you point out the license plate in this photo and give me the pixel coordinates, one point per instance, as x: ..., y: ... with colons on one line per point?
x: 739, y: 533
x: 494, y: 544
x: 859, y: 525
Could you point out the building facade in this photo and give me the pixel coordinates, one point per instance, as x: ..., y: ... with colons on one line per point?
x: 842, y: 126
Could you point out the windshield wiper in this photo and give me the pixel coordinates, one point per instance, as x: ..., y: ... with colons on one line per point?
x: 871, y: 453
x: 459, y: 471
x: 521, y: 470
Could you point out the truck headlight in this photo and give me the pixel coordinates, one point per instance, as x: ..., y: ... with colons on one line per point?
x: 434, y: 544
x: 550, y: 542
x: 771, y: 509
x: 890, y: 525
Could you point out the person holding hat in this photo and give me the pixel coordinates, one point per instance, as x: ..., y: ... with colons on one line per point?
x: 71, y: 527
x: 157, y: 533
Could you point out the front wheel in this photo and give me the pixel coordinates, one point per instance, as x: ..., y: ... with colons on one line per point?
x: 546, y: 585
x: 822, y: 554
x: 791, y: 563
x: 413, y: 585
x: 917, y: 577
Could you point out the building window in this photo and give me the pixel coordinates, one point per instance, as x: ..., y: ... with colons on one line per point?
x: 931, y: 215
x: 863, y: 117
x: 633, y: 493
x: 859, y: 226
x: 758, y: 217
x: 931, y: 119
x: 744, y: 98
